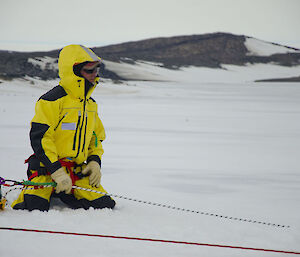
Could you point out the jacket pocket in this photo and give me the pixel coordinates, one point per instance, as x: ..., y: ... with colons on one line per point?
x: 60, y: 121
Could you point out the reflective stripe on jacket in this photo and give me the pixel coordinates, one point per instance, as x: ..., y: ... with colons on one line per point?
x: 66, y: 121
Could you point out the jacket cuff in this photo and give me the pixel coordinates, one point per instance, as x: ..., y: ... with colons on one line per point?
x: 54, y: 167
x: 95, y: 158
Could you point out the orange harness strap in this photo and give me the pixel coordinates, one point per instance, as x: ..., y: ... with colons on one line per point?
x: 70, y: 167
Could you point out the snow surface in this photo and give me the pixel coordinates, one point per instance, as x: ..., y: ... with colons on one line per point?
x: 218, y: 145
x: 262, y: 48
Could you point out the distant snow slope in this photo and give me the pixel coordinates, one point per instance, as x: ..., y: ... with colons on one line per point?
x: 45, y: 62
x: 262, y: 48
x: 228, y: 73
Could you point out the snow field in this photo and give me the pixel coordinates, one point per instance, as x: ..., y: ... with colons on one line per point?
x: 223, y: 148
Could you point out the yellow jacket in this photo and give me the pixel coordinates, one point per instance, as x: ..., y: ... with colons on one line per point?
x: 66, y: 121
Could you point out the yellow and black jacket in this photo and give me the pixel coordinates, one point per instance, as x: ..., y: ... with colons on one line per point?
x: 66, y: 122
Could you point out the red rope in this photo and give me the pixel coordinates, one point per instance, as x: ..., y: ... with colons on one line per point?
x: 147, y: 239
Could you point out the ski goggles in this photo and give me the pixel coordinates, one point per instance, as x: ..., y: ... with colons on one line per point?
x: 93, y: 70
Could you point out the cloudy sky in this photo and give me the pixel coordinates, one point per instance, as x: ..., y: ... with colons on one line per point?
x: 32, y: 25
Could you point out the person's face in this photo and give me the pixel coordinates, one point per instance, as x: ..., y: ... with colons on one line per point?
x: 90, y: 72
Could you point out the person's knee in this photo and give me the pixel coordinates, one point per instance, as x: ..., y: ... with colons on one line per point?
x: 33, y: 202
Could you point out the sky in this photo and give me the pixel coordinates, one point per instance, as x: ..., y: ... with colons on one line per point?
x: 35, y: 25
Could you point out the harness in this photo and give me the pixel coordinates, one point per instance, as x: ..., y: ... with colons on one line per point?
x: 35, y: 170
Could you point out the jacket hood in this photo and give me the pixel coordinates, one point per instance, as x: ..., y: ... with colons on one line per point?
x: 68, y: 57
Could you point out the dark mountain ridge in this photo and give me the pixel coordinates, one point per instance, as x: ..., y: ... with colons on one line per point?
x: 207, y: 50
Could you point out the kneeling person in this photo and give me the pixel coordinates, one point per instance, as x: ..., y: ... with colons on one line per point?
x: 66, y: 136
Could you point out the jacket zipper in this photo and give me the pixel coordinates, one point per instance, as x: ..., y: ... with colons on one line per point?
x: 77, y: 126
x: 80, y: 131
x: 86, y: 121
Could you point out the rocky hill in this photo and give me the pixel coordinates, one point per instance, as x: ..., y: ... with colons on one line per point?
x: 207, y: 50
